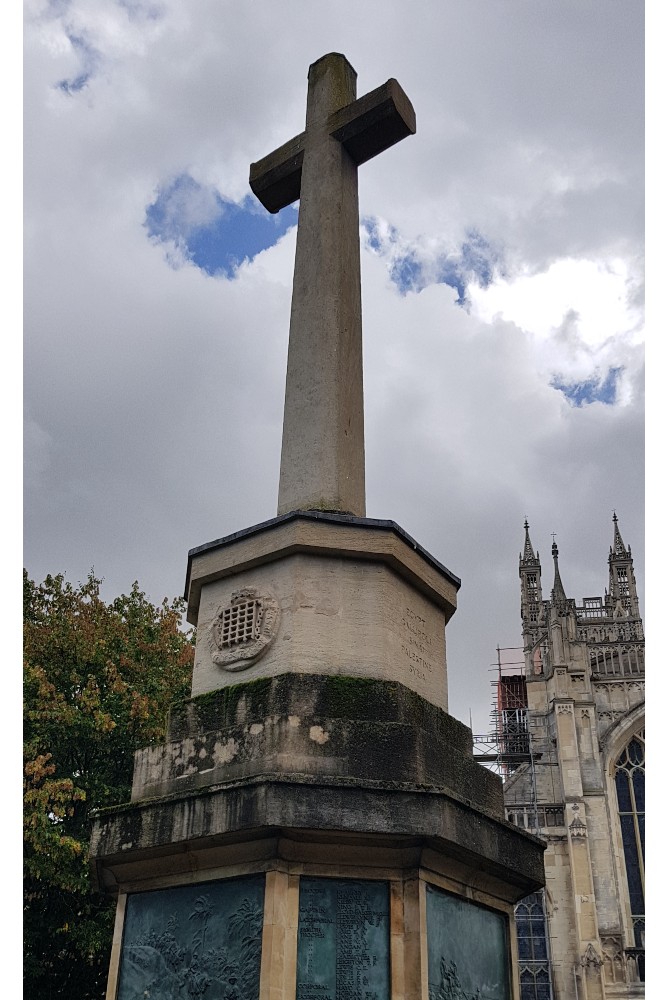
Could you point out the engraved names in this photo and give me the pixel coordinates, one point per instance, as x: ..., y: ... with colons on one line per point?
x: 416, y: 644
x: 343, y: 944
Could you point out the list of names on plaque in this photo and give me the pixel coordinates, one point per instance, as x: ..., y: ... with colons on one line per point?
x: 343, y: 946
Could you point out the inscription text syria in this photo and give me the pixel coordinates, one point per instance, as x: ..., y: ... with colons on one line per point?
x: 322, y: 460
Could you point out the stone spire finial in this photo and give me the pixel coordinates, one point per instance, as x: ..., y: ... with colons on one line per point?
x: 618, y: 548
x: 528, y: 554
x: 558, y: 597
x: 622, y: 584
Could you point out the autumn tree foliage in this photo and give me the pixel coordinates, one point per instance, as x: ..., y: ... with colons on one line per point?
x: 98, y: 680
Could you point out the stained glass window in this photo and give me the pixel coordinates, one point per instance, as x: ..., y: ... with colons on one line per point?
x: 531, y: 929
x: 629, y: 777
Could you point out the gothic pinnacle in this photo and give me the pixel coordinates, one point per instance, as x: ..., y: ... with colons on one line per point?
x: 558, y: 593
x: 618, y: 548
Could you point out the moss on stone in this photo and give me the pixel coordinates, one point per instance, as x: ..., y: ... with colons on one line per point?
x: 218, y: 708
x: 353, y: 697
x: 315, y: 696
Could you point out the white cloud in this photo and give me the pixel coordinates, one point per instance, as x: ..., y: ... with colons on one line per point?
x: 581, y: 314
x: 595, y: 290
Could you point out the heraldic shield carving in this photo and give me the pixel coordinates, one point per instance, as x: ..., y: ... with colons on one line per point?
x: 242, y: 631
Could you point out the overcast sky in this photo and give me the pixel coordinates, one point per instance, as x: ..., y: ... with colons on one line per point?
x: 502, y: 283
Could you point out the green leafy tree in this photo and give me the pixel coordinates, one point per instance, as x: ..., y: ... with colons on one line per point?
x: 98, y: 680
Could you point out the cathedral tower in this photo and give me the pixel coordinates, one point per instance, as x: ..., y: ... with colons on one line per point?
x: 580, y: 784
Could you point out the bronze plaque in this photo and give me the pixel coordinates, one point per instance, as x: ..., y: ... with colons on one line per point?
x: 467, y: 949
x: 191, y: 941
x: 343, y: 946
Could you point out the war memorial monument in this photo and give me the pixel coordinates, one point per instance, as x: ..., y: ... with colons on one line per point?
x: 315, y: 826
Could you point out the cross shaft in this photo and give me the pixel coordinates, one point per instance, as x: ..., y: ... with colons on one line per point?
x: 322, y: 461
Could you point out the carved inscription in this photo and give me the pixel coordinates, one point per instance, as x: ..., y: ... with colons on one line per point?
x: 417, y: 645
x: 343, y: 944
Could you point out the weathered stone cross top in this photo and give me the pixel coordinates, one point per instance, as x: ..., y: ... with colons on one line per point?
x: 322, y: 461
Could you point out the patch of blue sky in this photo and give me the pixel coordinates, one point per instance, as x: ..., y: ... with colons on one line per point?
x: 378, y: 238
x: 479, y: 258
x: 88, y: 57
x: 75, y: 85
x: 451, y: 273
x: 413, y: 267
x: 591, y: 390
x: 407, y: 273
x: 215, y: 234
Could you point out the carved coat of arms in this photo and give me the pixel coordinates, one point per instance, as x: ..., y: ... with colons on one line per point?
x: 242, y: 631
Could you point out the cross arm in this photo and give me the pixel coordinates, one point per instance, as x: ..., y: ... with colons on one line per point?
x: 374, y: 122
x: 276, y: 179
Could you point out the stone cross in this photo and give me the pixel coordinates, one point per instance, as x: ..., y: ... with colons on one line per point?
x: 322, y: 461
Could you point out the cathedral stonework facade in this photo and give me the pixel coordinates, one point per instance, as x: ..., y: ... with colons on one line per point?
x: 577, y: 710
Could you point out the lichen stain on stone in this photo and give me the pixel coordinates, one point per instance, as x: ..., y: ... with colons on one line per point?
x: 202, y: 753
x: 256, y: 728
x: 223, y: 753
x: 295, y: 721
x: 183, y: 752
x: 318, y: 735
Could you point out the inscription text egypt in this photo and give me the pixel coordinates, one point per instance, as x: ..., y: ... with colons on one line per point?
x: 416, y: 644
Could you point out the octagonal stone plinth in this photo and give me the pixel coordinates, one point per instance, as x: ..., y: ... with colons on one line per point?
x: 308, y: 777
x: 314, y: 593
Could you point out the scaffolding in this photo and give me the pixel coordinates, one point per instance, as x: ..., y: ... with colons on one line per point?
x: 507, y: 745
x: 521, y: 748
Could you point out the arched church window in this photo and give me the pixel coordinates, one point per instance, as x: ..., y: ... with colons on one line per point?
x: 629, y: 777
x: 531, y: 929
